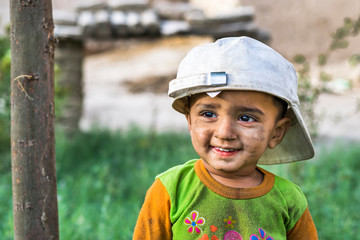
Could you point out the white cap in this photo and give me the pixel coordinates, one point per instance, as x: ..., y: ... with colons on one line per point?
x: 242, y: 63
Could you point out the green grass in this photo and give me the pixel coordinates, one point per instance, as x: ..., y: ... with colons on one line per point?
x: 6, y: 220
x: 331, y: 182
x: 103, y: 177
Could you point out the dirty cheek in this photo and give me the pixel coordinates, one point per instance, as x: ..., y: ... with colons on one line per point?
x: 254, y: 138
x: 200, y: 135
x: 256, y: 134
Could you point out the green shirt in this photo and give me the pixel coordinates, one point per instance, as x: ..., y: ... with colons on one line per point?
x: 202, y: 208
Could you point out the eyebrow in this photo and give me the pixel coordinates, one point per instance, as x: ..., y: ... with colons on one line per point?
x: 249, y: 110
x: 209, y: 106
x: 236, y: 108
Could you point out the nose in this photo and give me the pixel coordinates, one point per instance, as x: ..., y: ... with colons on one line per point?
x: 226, y: 130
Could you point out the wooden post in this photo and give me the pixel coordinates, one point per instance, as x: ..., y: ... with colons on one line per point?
x: 32, y: 120
x: 69, y: 58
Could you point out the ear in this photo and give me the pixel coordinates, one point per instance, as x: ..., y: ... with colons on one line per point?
x: 280, y: 129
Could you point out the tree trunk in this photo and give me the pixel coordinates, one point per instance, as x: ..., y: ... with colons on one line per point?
x: 32, y: 120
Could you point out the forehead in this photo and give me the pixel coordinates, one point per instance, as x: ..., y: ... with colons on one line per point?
x: 236, y: 97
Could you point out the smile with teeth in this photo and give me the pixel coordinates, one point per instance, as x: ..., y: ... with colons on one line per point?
x: 225, y: 149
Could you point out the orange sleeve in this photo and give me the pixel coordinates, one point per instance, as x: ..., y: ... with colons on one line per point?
x: 154, y: 218
x: 304, y: 228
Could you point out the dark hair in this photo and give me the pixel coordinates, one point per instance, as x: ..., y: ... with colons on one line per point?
x: 282, y: 106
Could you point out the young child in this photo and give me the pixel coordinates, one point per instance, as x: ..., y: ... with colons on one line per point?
x: 240, y: 99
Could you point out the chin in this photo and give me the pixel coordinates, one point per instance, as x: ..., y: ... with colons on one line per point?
x: 226, y: 168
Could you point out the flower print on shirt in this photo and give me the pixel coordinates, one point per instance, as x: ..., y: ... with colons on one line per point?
x: 232, y: 235
x: 213, y: 229
x: 262, y: 235
x: 229, y: 222
x: 194, y: 222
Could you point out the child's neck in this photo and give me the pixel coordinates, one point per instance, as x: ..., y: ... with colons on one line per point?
x: 250, y: 180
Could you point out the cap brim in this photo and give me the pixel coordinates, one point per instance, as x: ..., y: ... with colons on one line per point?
x: 295, y: 146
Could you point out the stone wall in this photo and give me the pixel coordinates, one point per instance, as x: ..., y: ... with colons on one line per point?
x: 124, y: 19
x: 216, y: 7
x: 93, y: 24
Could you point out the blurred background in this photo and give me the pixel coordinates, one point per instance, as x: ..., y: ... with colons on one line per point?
x: 116, y: 130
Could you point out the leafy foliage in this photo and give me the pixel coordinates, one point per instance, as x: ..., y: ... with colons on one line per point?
x: 308, y: 92
x: 350, y: 28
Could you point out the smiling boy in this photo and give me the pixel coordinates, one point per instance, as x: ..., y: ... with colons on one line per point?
x: 239, y: 98
x: 232, y: 131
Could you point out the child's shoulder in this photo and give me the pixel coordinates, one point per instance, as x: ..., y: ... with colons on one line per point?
x: 178, y: 168
x: 178, y: 172
x: 180, y: 180
x: 285, y: 184
x: 289, y: 190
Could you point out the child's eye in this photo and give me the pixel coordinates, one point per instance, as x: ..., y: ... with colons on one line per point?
x: 209, y: 114
x: 246, y: 118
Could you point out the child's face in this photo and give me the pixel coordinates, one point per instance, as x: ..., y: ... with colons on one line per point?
x: 231, y: 131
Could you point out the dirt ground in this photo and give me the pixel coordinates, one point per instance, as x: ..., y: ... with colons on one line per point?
x: 296, y: 27
x: 111, y: 77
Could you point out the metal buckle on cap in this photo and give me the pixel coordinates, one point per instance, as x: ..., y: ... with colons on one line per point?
x: 216, y: 78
